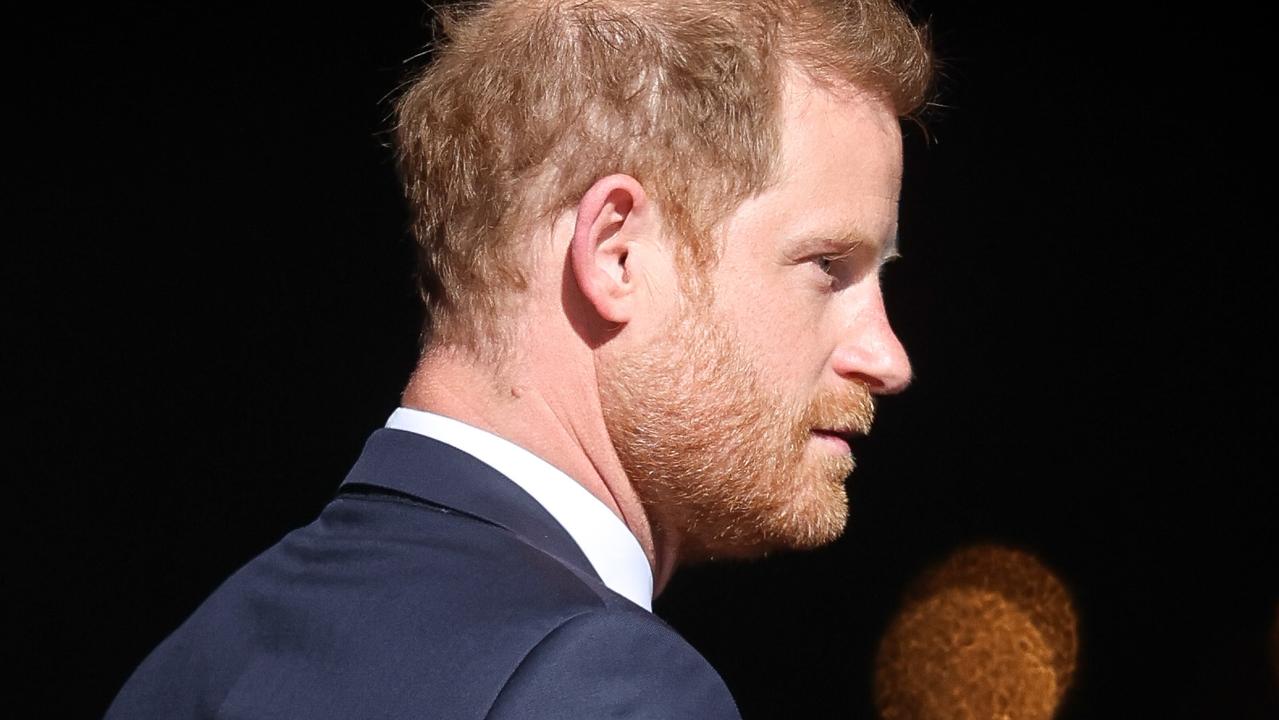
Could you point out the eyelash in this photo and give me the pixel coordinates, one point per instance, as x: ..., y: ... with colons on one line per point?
x: 826, y: 263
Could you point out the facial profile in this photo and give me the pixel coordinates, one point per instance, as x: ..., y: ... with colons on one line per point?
x: 724, y: 421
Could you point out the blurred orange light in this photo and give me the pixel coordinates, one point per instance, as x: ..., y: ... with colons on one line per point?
x: 988, y: 634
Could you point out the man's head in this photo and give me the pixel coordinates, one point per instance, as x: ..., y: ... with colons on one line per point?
x: 706, y: 191
x: 733, y: 423
x: 529, y: 102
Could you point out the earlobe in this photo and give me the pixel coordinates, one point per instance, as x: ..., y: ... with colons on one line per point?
x: 611, y: 216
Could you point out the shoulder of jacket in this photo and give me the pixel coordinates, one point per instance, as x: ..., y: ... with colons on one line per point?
x: 617, y: 661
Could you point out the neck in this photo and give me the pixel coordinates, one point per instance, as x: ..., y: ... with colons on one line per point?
x: 556, y: 426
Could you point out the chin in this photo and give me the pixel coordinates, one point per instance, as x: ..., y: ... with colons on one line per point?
x: 816, y: 513
x: 817, y: 523
x: 813, y: 517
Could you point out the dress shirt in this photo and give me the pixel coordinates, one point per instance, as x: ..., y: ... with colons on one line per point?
x: 605, y: 540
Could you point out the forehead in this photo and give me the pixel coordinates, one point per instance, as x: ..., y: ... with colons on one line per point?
x: 831, y: 111
x: 840, y: 137
x: 839, y: 172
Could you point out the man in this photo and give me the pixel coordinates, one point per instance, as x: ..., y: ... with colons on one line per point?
x: 650, y: 242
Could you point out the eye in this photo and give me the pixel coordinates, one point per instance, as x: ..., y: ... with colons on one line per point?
x: 830, y: 263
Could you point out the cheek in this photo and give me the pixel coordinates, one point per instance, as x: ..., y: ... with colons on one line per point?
x: 785, y: 338
x: 777, y: 314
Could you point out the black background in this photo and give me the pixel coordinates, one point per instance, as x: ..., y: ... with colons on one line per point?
x: 211, y: 306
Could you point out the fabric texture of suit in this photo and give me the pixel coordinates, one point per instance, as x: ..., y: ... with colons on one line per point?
x: 430, y: 587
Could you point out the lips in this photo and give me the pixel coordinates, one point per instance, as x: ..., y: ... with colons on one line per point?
x: 844, y: 438
x: 845, y: 435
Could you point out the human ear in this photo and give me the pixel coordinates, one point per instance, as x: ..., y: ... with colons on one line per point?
x: 612, y: 216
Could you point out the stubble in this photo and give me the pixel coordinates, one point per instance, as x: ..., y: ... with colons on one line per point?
x: 718, y: 455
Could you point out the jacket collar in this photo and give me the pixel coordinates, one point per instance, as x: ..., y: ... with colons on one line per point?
x: 439, y: 474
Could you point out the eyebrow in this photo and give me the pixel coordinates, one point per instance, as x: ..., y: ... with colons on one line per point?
x: 843, y: 244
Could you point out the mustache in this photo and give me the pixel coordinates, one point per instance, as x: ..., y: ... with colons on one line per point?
x: 848, y: 410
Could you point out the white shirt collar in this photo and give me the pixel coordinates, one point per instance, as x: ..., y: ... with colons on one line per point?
x: 605, y: 540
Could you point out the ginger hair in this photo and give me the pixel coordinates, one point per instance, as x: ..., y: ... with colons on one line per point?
x: 528, y: 102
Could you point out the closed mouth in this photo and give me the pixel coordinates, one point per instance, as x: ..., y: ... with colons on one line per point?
x: 846, y: 435
x: 843, y: 436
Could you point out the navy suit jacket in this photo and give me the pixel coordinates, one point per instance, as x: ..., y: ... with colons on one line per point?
x: 430, y: 587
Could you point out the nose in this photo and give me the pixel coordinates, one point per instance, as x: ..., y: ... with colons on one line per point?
x: 871, y: 352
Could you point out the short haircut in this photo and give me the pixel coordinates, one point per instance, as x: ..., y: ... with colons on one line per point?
x: 528, y: 102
